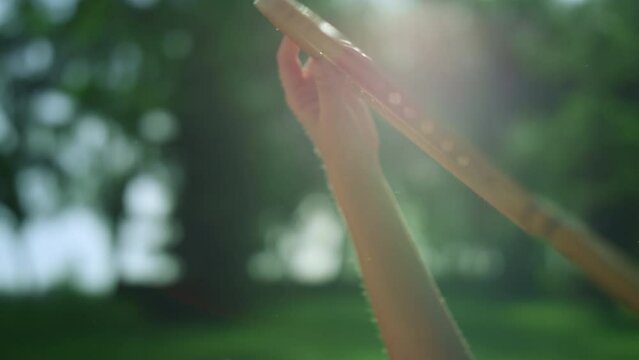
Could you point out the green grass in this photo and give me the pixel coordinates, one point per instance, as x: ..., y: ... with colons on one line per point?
x: 333, y: 326
x: 547, y: 330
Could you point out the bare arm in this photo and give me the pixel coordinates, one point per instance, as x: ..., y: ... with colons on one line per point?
x: 413, y: 319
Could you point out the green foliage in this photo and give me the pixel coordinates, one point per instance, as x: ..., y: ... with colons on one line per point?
x: 582, y: 126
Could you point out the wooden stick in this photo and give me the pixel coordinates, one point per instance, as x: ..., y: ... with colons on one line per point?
x: 607, y: 268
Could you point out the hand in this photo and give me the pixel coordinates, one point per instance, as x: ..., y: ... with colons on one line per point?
x: 329, y: 108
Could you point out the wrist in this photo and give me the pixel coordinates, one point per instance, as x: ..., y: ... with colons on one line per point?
x: 345, y: 155
x: 352, y: 167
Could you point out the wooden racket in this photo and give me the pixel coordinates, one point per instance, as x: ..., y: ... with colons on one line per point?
x: 606, y: 267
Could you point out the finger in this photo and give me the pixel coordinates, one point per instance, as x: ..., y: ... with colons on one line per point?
x: 330, y: 83
x: 289, y: 64
x: 325, y: 75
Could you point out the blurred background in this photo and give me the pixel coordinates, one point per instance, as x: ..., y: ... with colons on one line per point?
x: 158, y: 200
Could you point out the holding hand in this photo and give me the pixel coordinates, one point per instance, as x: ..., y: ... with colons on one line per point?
x: 329, y: 108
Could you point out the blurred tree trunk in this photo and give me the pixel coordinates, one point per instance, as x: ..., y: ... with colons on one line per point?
x: 217, y: 208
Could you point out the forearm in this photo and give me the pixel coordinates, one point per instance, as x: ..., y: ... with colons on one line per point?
x: 413, y: 320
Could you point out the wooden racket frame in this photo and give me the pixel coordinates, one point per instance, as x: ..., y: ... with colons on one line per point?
x: 606, y: 267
